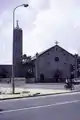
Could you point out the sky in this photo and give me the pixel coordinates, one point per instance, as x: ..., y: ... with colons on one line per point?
x: 43, y: 23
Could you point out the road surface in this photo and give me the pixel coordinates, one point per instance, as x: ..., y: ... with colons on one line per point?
x: 55, y: 107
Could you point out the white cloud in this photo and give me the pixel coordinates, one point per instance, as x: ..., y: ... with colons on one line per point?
x: 45, y: 22
x: 40, y: 5
x: 57, y: 23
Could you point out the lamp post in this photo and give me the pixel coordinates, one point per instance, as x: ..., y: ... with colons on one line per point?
x: 13, y: 85
x: 76, y: 57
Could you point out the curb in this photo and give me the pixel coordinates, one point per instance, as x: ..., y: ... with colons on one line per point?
x: 38, y: 95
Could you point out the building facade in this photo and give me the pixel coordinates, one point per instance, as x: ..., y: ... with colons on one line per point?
x: 54, y: 64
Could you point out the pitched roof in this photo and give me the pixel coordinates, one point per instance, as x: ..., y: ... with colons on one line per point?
x: 34, y: 57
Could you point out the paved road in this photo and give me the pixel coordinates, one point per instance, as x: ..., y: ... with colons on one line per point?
x: 57, y: 107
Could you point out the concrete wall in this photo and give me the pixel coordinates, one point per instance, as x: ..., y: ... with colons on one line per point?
x: 8, y: 68
x: 22, y: 69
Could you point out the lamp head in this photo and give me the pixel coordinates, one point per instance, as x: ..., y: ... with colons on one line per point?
x: 25, y: 5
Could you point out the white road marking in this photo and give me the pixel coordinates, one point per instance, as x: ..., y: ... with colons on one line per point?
x: 42, y: 106
x: 47, y: 96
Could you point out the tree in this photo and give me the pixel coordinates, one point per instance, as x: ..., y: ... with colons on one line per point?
x: 26, y: 59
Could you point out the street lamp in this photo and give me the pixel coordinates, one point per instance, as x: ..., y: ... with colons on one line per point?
x: 13, y: 85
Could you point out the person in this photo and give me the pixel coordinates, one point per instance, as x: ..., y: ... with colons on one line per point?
x: 71, y: 83
x: 67, y: 82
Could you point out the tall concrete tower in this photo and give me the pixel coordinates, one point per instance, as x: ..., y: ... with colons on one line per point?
x: 17, y: 49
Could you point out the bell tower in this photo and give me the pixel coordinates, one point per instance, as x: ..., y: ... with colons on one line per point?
x: 17, y: 48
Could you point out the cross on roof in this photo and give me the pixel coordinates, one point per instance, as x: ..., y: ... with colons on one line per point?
x: 56, y: 42
x: 17, y: 23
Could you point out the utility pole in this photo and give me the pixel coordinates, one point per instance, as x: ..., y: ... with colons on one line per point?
x: 12, y: 80
x: 76, y: 56
x: 36, y: 64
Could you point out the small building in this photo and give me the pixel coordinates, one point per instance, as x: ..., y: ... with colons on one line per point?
x: 5, y: 71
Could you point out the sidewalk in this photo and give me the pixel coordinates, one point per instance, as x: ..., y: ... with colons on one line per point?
x: 20, y: 93
x: 6, y: 92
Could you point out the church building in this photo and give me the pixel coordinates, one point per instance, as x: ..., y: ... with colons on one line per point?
x: 54, y: 65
